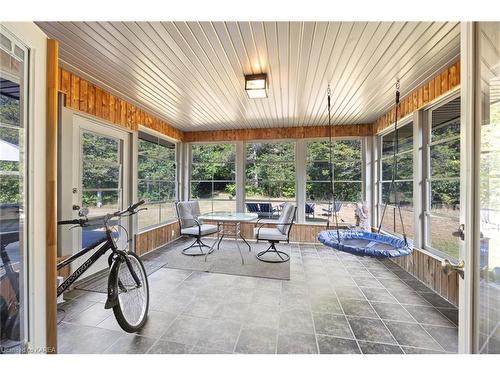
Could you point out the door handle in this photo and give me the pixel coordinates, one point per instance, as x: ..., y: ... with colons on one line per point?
x: 76, y: 207
x: 448, y: 267
x: 460, y: 232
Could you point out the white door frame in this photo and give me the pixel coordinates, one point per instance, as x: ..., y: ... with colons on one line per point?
x: 468, y: 180
x: 36, y: 41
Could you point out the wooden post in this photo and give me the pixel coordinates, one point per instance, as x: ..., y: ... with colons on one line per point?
x: 51, y: 194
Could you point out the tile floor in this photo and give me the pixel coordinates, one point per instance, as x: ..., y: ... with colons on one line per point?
x: 334, y: 303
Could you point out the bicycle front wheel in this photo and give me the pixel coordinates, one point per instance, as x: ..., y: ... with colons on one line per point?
x: 131, y: 311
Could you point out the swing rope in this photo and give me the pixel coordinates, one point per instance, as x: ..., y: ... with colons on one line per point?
x: 332, y: 201
x: 393, y: 184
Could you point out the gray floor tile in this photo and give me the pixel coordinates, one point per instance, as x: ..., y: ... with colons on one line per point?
x: 376, y: 294
x: 157, y: 324
x: 451, y: 314
x: 235, y: 311
x: 298, y: 301
x: 297, y: 343
x: 266, y: 297
x: 375, y: 348
x: 409, y: 298
x: 202, y: 307
x: 327, y: 304
x: 169, y: 347
x: 412, y: 335
x: 173, y: 301
x: 262, y: 316
x: 392, y: 311
x: 111, y: 323
x: 349, y: 292
x: 221, y: 335
x: 358, y: 308
x: 92, y: 296
x: 415, y: 284
x: 91, y: 316
x: 358, y: 272
x: 437, y: 301
x: 186, y: 329
x: 257, y: 340
x: 131, y: 344
x: 80, y: 339
x: 66, y: 310
x: 411, y: 350
x: 335, y: 345
x: 332, y: 325
x: 296, y: 321
x: 428, y: 315
x: 238, y: 294
x: 446, y: 337
x: 372, y: 330
x: 206, y: 350
x: 369, y: 282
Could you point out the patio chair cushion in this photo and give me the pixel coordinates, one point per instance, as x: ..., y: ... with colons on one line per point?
x: 206, y: 229
x: 186, y: 214
x: 195, y: 208
x: 285, y: 217
x: 272, y: 234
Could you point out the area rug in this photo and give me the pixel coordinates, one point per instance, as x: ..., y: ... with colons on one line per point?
x: 99, y: 282
x: 225, y: 260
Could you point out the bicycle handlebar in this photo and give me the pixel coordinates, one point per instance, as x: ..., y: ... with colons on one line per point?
x: 81, y: 222
x: 73, y: 222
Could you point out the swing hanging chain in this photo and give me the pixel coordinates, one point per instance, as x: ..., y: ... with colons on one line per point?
x: 394, y: 169
x: 332, y: 203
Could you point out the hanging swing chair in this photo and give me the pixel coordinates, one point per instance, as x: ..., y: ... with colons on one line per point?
x: 364, y: 242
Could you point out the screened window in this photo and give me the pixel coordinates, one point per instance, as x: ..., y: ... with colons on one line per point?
x: 156, y: 167
x: 443, y: 150
x: 347, y: 179
x: 213, y: 181
x: 403, y: 183
x: 270, y: 176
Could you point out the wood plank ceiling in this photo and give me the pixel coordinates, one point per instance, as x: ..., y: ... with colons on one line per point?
x: 191, y: 74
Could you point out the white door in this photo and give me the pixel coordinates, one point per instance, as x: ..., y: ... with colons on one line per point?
x: 479, y: 303
x: 100, y: 180
x: 486, y: 324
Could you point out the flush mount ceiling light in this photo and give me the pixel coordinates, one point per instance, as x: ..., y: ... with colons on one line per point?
x: 256, y: 86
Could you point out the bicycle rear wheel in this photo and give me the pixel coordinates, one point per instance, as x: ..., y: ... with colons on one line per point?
x: 131, y: 311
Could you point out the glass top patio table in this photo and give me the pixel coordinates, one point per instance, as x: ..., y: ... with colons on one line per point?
x: 229, y: 216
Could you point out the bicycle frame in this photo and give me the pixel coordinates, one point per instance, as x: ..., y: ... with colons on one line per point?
x: 107, y: 244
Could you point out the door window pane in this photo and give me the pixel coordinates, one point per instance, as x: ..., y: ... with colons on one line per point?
x: 101, y: 176
x: 13, y: 195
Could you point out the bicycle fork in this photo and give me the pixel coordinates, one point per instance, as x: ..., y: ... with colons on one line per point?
x: 114, y: 283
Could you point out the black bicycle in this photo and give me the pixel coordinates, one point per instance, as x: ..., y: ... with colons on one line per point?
x: 128, y: 288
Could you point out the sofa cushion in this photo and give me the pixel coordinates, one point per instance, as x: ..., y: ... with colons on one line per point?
x: 269, y: 234
x: 206, y: 229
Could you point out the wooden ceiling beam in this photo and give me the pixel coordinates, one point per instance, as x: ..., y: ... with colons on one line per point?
x: 298, y: 132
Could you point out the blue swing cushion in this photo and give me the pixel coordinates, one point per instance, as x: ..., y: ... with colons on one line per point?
x: 362, y: 242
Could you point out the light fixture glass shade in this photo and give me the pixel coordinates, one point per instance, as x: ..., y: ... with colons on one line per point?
x: 256, y: 86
